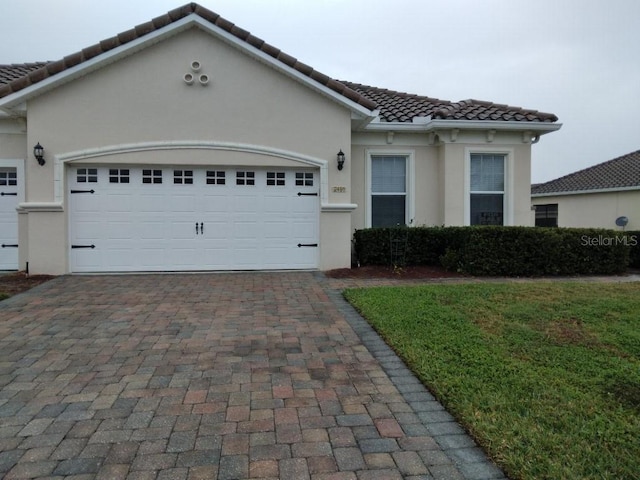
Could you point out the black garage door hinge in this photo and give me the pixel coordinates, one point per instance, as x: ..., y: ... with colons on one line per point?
x: 83, y: 246
x: 5, y: 245
x: 6, y: 194
x: 83, y: 191
x: 300, y: 194
x: 307, y: 245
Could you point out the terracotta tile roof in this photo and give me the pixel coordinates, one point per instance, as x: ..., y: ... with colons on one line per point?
x: 402, y: 107
x: 10, y: 84
x: 9, y: 73
x: 394, y: 106
x: 620, y: 172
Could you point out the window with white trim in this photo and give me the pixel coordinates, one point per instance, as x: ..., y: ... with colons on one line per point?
x: 487, y: 188
x: 388, y: 190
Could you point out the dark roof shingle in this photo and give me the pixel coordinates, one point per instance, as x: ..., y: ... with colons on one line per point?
x: 620, y: 172
x: 9, y: 73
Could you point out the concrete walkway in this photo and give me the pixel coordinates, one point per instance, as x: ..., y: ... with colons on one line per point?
x: 213, y: 376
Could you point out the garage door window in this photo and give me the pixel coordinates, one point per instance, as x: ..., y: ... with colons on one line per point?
x: 304, y: 179
x: 245, y: 178
x: 275, y: 179
x: 119, y: 175
x: 216, y: 177
x: 8, y: 178
x: 87, y: 175
x: 183, y: 177
x: 151, y: 176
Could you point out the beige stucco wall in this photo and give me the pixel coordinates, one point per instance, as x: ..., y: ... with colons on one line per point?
x: 441, y: 174
x: 426, y: 186
x: 143, y: 98
x: 597, y: 210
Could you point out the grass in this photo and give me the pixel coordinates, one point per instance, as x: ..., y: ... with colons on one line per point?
x: 545, y: 376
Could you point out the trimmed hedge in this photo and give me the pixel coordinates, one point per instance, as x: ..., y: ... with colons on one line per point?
x: 634, y: 242
x: 504, y: 251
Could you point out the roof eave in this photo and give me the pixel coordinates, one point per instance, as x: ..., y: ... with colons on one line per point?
x: 425, y: 124
x: 9, y: 102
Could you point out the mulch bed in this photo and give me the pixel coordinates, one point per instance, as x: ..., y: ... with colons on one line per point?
x: 13, y: 283
x: 381, y: 271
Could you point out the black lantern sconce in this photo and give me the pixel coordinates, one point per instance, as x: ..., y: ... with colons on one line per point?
x: 38, y: 152
x: 340, y: 158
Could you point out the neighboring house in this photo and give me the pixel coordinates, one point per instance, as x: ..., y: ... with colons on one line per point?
x: 594, y: 197
x: 186, y: 143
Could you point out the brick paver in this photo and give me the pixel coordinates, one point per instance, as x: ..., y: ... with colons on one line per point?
x: 213, y: 376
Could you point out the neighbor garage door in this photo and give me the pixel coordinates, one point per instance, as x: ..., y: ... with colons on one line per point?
x: 8, y: 219
x: 134, y: 218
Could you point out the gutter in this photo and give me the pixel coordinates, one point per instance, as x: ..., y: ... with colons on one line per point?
x: 426, y: 124
x: 586, y: 192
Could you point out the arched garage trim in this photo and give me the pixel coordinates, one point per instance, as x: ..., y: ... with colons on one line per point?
x: 93, y: 153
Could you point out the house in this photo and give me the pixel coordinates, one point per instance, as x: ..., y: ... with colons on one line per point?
x: 606, y: 195
x: 186, y: 143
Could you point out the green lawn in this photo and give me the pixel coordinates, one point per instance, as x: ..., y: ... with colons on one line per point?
x: 545, y: 376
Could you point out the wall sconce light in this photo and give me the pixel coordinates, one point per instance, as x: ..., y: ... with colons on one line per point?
x: 38, y: 152
x: 340, y: 157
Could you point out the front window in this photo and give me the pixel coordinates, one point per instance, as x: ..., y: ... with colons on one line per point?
x: 487, y: 189
x: 547, y: 215
x: 388, y: 190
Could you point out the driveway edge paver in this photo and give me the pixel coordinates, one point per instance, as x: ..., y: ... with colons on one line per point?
x: 459, y: 447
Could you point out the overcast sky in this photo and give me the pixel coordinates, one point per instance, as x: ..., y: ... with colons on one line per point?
x: 579, y: 59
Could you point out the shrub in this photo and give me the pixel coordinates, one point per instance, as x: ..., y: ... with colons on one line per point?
x: 507, y: 251
x: 634, y: 252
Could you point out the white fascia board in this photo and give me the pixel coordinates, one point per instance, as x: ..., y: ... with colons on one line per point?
x: 537, y: 127
x: 434, y: 125
x: 585, y: 192
x: 10, y: 101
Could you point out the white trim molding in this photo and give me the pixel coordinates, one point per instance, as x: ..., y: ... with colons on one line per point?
x: 508, y: 215
x: 95, y: 153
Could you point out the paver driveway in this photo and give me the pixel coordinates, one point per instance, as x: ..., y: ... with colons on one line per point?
x: 213, y: 376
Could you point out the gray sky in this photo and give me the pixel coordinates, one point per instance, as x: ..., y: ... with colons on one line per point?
x: 579, y: 59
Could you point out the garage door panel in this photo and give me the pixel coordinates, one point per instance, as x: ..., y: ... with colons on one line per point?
x: 182, y: 203
x: 88, y: 230
x: 152, y: 230
x: 140, y: 226
x: 120, y: 230
x: 118, y: 203
x: 150, y: 202
x: 9, y: 218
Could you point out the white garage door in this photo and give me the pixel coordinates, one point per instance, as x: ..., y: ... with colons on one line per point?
x: 8, y: 219
x: 181, y: 218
